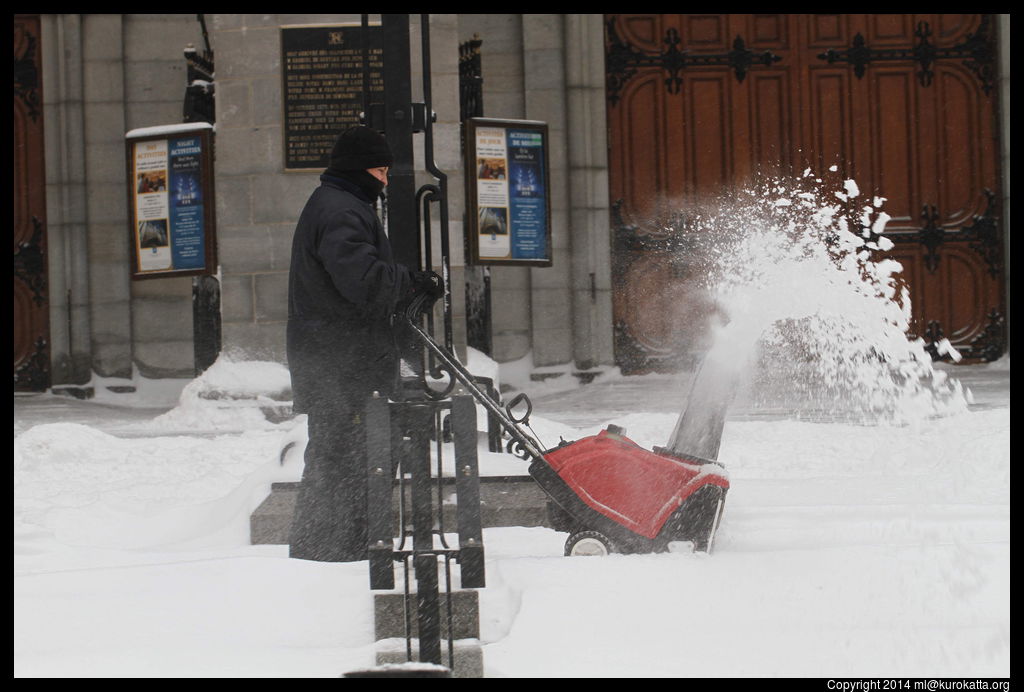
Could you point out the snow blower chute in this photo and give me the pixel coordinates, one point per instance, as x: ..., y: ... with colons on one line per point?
x: 608, y: 492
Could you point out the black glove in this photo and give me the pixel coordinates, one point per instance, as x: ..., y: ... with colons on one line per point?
x: 426, y: 288
x: 427, y: 283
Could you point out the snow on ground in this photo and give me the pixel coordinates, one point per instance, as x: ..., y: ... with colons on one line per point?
x: 845, y: 550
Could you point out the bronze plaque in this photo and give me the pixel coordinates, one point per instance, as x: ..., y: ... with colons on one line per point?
x: 324, y: 86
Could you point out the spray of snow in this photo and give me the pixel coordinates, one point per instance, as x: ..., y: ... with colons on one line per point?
x: 809, y: 306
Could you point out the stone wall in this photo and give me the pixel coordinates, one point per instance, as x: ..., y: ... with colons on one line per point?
x: 502, y: 66
x: 155, y: 79
x: 551, y: 68
x: 106, y: 74
x: 258, y: 202
x: 103, y: 75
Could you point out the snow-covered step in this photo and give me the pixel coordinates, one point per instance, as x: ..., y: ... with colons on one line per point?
x: 468, y: 655
x: 504, y: 501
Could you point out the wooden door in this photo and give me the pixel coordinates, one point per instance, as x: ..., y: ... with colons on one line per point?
x: 31, y: 303
x: 905, y: 104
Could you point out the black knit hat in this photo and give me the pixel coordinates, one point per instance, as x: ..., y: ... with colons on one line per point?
x: 359, y: 148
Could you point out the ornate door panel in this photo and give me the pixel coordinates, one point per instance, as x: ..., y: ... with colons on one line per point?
x: 903, y: 104
x: 695, y: 104
x: 31, y: 305
x: 918, y: 92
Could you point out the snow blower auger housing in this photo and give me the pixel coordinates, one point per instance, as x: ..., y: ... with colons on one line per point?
x: 612, y: 495
x: 609, y: 493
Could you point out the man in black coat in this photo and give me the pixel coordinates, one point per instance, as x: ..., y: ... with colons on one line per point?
x: 343, y: 289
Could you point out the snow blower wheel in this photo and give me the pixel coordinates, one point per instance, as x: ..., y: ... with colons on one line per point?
x: 589, y: 543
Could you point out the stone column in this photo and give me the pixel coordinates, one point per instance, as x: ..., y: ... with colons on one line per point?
x: 66, y: 211
x: 589, y: 224
x: 106, y: 198
x: 545, y: 95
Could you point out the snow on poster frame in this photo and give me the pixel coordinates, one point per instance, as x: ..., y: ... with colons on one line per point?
x: 508, y: 192
x: 170, y: 200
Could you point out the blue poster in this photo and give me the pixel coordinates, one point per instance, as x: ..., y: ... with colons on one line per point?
x: 527, y: 202
x: 186, y: 203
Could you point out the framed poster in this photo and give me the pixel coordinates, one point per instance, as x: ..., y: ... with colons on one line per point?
x: 170, y: 200
x: 322, y: 90
x: 508, y: 192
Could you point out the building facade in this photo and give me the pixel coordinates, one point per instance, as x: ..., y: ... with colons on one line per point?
x: 603, y: 85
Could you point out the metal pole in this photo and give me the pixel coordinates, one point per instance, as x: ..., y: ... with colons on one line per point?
x: 365, y: 23
x: 398, y: 128
x: 379, y: 475
x: 442, y: 178
x: 424, y: 558
x: 206, y: 327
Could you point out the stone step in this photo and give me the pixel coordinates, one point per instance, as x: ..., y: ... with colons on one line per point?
x: 504, y: 501
x: 389, y: 615
x: 393, y: 643
x: 467, y: 654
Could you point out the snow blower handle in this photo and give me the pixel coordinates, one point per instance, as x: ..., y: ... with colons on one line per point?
x: 527, y: 444
x: 518, y: 399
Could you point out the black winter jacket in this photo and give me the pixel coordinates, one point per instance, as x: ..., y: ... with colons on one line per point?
x: 343, y: 288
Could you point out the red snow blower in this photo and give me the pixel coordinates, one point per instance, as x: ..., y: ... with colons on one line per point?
x: 616, y: 496
x: 610, y: 494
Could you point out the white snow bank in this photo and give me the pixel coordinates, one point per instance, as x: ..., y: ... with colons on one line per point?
x: 87, y: 488
x: 229, y: 396
x: 845, y: 551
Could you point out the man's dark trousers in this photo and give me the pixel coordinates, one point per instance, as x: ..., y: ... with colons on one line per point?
x: 330, y: 520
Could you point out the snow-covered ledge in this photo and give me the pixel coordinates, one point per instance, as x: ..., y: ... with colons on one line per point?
x: 174, y: 128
